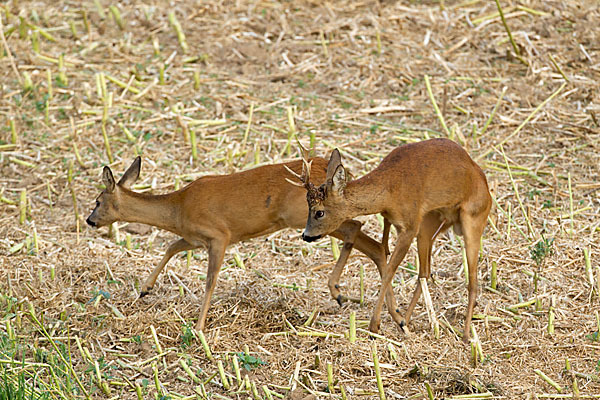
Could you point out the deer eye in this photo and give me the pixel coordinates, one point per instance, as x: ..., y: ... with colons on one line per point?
x: 319, y: 214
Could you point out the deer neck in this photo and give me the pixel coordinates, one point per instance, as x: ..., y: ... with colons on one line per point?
x: 161, y: 211
x: 365, y: 196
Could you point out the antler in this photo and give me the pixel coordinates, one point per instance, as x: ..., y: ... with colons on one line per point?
x: 304, y: 178
x: 306, y: 165
x: 304, y: 153
x: 314, y: 195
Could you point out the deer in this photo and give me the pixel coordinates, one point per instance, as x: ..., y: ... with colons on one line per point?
x: 422, y: 189
x: 216, y: 211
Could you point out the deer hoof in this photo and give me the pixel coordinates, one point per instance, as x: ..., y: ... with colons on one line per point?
x: 340, y: 299
x: 144, y: 292
x: 374, y: 327
x: 403, y: 327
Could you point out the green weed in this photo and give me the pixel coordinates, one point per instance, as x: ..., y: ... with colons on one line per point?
x: 187, y: 336
x: 249, y: 362
x: 541, y: 250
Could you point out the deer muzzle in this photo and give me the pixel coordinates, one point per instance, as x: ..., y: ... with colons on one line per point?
x: 307, y: 238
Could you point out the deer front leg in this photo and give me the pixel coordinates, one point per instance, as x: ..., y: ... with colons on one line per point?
x: 376, y: 252
x: 347, y: 232
x: 473, y: 226
x: 386, y: 235
x: 402, y: 246
x: 352, y: 236
x: 216, y: 252
x: 174, y: 248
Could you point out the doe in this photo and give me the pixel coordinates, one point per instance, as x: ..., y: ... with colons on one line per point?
x: 422, y: 189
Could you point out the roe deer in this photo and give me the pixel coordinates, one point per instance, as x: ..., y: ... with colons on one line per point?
x: 216, y: 211
x: 422, y: 189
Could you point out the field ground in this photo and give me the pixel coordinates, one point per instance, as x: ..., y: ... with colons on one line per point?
x: 354, y: 76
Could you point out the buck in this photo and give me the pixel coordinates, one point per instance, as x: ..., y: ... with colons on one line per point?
x: 216, y: 211
x: 422, y: 189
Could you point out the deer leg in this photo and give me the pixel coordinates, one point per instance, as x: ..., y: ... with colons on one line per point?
x: 174, y: 248
x: 473, y: 230
x: 372, y: 249
x: 375, y: 251
x: 386, y: 236
x: 390, y: 300
x: 402, y: 245
x: 424, y: 250
x: 216, y: 252
x: 347, y: 232
x: 431, y: 226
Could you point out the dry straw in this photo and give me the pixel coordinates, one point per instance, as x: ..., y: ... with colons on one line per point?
x: 217, y: 88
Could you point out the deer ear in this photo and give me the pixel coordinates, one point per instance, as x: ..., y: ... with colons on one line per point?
x: 108, y: 179
x: 336, y: 173
x: 335, y: 160
x: 338, y: 182
x: 132, y: 173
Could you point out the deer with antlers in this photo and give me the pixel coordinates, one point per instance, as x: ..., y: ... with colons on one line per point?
x: 423, y: 189
x: 216, y: 211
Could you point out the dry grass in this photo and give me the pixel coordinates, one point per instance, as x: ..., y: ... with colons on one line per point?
x: 354, y: 74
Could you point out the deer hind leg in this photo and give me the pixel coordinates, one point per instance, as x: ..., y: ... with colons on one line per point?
x: 472, y: 227
x: 431, y: 226
x: 174, y: 248
x: 349, y: 231
x: 216, y: 253
x: 402, y: 246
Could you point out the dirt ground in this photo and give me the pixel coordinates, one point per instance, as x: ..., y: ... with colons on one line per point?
x: 354, y: 74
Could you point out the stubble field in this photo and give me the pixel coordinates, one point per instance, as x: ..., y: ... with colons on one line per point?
x: 88, y: 84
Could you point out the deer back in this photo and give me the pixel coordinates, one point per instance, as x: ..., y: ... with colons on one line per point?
x: 425, y: 176
x: 249, y: 203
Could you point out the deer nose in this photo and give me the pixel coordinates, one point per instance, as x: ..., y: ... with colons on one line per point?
x: 307, y: 238
x: 90, y: 222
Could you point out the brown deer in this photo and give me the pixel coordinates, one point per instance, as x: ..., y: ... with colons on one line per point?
x: 216, y: 211
x: 422, y: 189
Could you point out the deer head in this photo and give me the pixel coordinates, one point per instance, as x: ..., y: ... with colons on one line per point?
x: 326, y: 203
x: 108, y: 202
